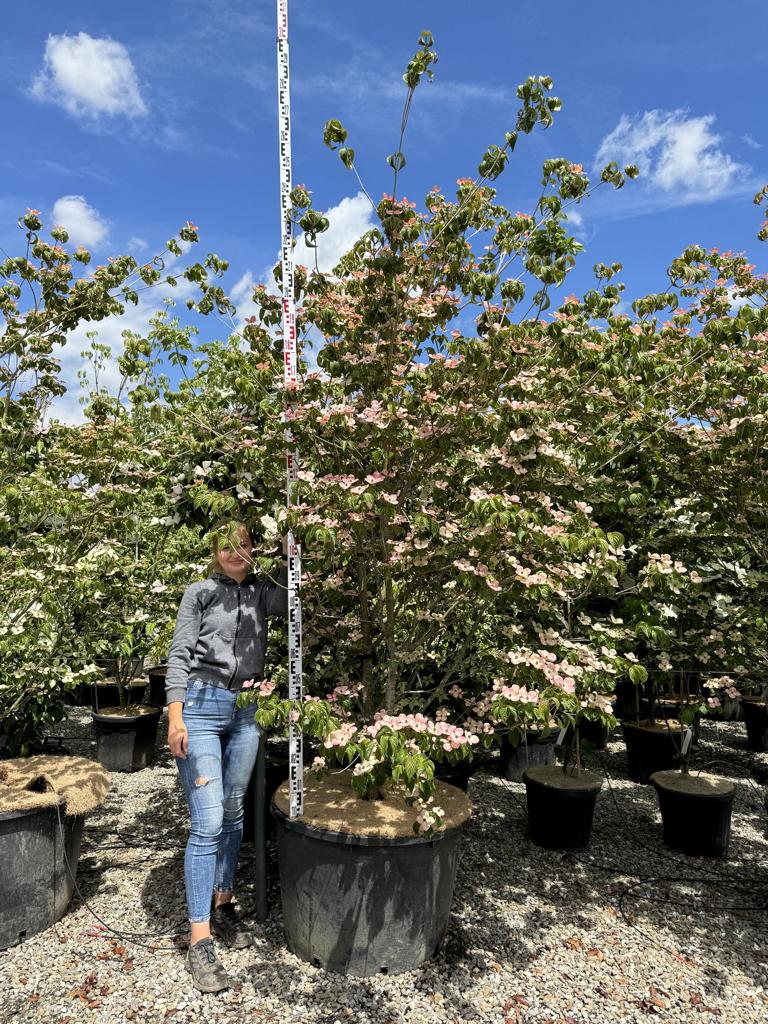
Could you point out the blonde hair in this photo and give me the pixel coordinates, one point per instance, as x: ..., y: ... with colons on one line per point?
x: 221, y: 533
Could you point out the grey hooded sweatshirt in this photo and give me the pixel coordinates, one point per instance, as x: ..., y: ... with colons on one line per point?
x: 221, y: 631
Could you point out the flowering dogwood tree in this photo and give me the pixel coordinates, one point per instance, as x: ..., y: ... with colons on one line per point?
x: 445, y: 540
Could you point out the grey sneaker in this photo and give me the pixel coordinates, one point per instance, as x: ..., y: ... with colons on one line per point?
x: 227, y: 926
x: 208, y: 974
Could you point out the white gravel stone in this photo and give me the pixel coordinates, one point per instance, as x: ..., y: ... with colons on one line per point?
x: 622, y: 932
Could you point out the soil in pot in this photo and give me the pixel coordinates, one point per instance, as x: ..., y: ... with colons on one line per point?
x: 362, y: 894
x: 755, y: 711
x: 561, y: 806
x: 651, y: 747
x: 535, y: 749
x: 126, y: 737
x: 695, y: 812
x: 105, y: 694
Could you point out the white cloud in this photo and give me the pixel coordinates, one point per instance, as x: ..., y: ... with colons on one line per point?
x: 679, y: 156
x: 85, y: 225
x: 137, y: 244
x: 350, y: 219
x: 752, y: 143
x: 88, y: 77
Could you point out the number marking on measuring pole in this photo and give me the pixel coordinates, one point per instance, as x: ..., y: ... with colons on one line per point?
x: 295, y: 686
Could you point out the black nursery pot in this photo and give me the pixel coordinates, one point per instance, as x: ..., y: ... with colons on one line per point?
x: 755, y: 712
x: 561, y: 806
x: 695, y: 812
x: 651, y: 747
x: 455, y: 774
x: 39, y: 851
x: 362, y: 904
x: 531, y: 752
x: 126, y: 743
x: 156, y: 695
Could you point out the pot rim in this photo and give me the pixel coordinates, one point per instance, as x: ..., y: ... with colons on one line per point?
x: 581, y: 783
x: 97, y: 716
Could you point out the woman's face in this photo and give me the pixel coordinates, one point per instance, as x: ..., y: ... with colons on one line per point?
x: 237, y: 562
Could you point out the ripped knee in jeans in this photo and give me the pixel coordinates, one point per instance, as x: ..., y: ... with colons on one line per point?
x: 201, y: 781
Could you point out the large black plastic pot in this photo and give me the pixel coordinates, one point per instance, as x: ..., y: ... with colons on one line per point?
x: 362, y: 904
x: 561, y: 806
x: 651, y: 747
x: 695, y: 812
x: 39, y: 863
x: 532, y: 751
x: 755, y: 711
x: 126, y: 742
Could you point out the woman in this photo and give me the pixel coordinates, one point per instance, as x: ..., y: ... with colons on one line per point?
x: 218, y: 644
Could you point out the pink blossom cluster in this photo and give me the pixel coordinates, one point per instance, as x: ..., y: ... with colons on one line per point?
x: 518, y: 694
x: 342, y: 736
x: 451, y: 737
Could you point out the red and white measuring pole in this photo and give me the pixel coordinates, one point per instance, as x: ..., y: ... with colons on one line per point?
x: 295, y: 686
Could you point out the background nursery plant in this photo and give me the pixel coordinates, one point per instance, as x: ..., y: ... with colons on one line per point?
x: 62, y: 488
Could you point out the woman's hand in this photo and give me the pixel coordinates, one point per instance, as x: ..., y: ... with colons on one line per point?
x: 177, y: 731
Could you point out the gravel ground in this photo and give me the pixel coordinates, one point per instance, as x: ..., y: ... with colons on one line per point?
x: 623, y: 932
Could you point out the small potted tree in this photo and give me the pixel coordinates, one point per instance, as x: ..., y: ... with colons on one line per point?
x: 695, y: 807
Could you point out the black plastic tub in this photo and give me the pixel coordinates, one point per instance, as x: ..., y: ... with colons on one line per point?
x: 457, y: 774
x: 755, y: 711
x: 561, y: 806
x: 39, y: 863
x: 364, y: 905
x: 126, y: 743
x: 532, y: 751
x: 651, y: 747
x: 156, y: 691
x: 695, y: 812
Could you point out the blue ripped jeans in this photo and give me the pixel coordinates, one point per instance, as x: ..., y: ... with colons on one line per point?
x: 223, y: 741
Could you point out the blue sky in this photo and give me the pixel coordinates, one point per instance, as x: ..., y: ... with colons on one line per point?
x: 128, y: 121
